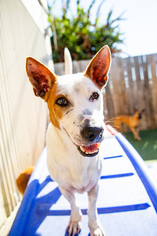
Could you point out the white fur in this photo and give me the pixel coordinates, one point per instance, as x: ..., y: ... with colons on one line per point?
x: 76, y: 130
x: 72, y: 171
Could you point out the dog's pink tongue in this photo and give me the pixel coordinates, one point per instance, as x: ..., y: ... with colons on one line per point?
x: 91, y: 148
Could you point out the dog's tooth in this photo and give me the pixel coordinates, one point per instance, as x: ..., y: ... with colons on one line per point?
x: 82, y: 149
x: 91, y: 152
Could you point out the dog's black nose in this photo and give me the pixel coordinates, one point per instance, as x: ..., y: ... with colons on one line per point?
x: 92, y: 133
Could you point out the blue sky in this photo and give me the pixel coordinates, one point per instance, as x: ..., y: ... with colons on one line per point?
x: 140, y: 26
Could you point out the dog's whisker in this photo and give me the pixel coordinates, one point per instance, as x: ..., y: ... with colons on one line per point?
x: 115, y: 127
x: 110, y: 120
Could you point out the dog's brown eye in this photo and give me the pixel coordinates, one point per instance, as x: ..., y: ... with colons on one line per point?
x: 94, y: 96
x: 62, y: 102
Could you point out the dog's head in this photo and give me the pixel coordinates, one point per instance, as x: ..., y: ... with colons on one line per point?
x: 75, y: 101
x: 139, y: 113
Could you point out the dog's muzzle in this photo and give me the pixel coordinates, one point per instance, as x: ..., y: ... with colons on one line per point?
x: 93, y: 136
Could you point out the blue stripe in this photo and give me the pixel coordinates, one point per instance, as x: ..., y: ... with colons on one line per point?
x: 115, y: 209
x: 113, y: 157
x: 116, y: 176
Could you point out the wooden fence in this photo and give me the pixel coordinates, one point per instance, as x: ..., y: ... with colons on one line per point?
x: 132, y: 84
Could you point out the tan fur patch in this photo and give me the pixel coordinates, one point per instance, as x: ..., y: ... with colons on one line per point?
x: 55, y: 111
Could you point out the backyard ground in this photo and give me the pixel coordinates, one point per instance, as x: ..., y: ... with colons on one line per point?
x: 147, y: 147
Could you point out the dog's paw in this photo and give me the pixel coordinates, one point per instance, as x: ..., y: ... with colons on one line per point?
x: 97, y: 232
x: 74, y: 228
x: 138, y: 138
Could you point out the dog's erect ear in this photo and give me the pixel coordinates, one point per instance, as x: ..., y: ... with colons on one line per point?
x: 99, y: 67
x: 40, y: 77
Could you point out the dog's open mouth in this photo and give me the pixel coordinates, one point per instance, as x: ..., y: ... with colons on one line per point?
x: 89, y: 151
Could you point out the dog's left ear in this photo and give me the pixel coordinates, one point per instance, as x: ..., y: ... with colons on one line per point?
x: 99, y: 66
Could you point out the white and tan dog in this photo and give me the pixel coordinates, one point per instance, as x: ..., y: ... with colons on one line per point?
x: 75, y: 131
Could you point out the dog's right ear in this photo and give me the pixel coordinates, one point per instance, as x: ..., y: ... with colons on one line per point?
x: 40, y: 77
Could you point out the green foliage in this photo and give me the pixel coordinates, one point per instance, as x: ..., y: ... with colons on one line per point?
x: 82, y: 37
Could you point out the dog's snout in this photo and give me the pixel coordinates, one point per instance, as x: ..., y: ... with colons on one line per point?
x: 92, y: 133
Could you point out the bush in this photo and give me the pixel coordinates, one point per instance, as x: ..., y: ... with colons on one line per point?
x: 82, y: 37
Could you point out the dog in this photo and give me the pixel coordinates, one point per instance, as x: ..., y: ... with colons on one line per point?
x: 75, y: 131
x: 131, y: 121
x: 23, y: 178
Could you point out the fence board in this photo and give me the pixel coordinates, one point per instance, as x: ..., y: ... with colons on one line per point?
x: 130, y: 85
x: 152, y: 60
x: 148, y: 97
x: 140, y: 103
x: 114, y: 77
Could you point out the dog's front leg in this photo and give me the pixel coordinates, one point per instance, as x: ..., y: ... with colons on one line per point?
x: 136, y: 133
x: 94, y: 224
x: 74, y: 226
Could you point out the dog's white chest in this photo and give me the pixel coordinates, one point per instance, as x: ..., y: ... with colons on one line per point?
x: 67, y: 167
